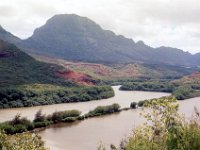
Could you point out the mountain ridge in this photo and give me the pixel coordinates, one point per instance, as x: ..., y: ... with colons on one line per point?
x: 75, y: 38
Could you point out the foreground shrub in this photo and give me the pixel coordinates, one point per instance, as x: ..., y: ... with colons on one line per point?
x: 25, y: 141
x: 165, y: 129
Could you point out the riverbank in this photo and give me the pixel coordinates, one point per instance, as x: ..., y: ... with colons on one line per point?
x: 20, y: 125
x: 183, y: 88
x: 46, y: 94
x: 108, y: 129
x: 123, y: 98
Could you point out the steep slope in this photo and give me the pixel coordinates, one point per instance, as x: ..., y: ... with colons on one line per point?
x: 25, y: 82
x: 16, y: 68
x: 120, y: 71
x: 76, y: 38
x: 8, y: 37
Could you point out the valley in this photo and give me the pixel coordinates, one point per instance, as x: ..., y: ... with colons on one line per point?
x: 77, y: 84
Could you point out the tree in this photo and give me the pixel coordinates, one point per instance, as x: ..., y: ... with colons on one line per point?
x: 165, y: 129
x: 24, y: 141
x: 39, y: 117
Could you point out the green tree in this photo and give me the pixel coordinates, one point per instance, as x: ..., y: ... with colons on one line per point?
x: 25, y: 141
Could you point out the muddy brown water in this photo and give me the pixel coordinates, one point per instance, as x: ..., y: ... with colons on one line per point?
x: 87, y: 134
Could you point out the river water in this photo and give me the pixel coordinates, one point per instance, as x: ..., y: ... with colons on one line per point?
x: 123, y: 98
x: 87, y: 134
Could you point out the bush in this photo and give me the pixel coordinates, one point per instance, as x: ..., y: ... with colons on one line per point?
x: 19, y: 125
x: 59, y: 116
x: 101, y: 110
x: 140, y: 103
x: 70, y: 119
x: 164, y: 129
x: 42, y: 124
x: 39, y: 117
x: 24, y: 141
x: 133, y: 105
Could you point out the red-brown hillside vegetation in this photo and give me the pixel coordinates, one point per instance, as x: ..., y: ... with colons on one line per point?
x: 77, y: 77
x: 195, y: 75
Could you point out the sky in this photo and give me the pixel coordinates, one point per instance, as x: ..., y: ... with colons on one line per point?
x: 174, y: 23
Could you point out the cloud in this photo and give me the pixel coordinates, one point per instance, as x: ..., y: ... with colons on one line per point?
x: 157, y: 22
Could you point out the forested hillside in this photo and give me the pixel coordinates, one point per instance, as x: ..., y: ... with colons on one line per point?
x: 25, y: 82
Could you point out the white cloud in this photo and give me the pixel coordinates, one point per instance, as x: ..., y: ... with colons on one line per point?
x: 157, y: 22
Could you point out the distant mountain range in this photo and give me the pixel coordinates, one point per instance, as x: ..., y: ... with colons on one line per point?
x: 76, y: 38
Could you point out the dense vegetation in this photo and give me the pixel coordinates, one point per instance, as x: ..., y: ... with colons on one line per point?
x: 27, y: 82
x: 17, y: 68
x: 158, y: 86
x: 45, y: 94
x: 25, y: 141
x: 102, y: 110
x: 165, y: 129
x: 21, y: 124
x: 182, y: 88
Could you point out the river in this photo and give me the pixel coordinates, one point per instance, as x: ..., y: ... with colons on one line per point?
x: 123, y: 98
x: 87, y: 134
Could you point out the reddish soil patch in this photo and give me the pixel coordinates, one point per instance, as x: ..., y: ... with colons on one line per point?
x: 195, y: 75
x: 77, y: 77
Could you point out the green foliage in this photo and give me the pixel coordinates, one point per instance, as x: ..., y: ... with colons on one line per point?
x: 46, y: 94
x: 64, y: 116
x: 159, y: 86
x: 140, y: 103
x: 102, y: 110
x: 19, y: 124
x: 25, y: 141
x: 133, y: 105
x: 19, y: 68
x: 165, y: 129
x: 185, y: 92
x: 26, y: 82
x: 182, y: 89
x: 39, y: 117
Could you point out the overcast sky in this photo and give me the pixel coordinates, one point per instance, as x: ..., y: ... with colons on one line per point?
x: 174, y: 23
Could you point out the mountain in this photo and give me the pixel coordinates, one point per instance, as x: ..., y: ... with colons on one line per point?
x: 76, y: 38
x: 119, y: 71
x: 25, y: 82
x: 17, y: 68
x: 8, y: 37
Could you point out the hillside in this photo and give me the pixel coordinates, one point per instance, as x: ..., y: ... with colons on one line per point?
x: 120, y: 71
x: 183, y: 88
x: 16, y: 68
x: 76, y: 38
x: 25, y: 82
x: 8, y: 37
